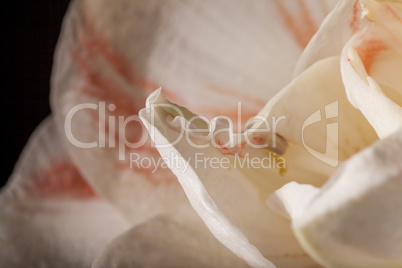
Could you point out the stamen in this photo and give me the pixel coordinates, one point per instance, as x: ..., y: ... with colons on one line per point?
x: 283, y: 168
x: 276, y: 143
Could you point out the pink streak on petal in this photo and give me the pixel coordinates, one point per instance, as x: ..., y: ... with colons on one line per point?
x: 91, y: 49
x: 354, y: 24
x: 368, y: 50
x: 60, y: 180
x: 302, y: 27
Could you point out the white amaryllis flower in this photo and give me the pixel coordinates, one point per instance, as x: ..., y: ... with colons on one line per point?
x: 65, y: 202
x: 345, y: 217
x: 89, y: 188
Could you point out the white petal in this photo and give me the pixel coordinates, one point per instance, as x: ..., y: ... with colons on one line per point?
x: 385, y: 13
x: 365, y: 94
x: 347, y: 19
x: 49, y: 215
x: 229, y: 198
x: 208, y: 47
x: 373, y: 28
x: 291, y: 200
x: 319, y: 117
x: 91, y: 69
x: 177, y: 240
x: 119, y: 52
x: 370, y: 63
x: 334, y: 32
x: 355, y: 219
x: 321, y: 82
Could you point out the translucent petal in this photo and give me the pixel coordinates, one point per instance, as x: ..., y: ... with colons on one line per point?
x: 214, y: 189
x: 179, y: 240
x: 227, y: 191
x: 365, y: 94
x: 319, y: 117
x: 112, y: 55
x: 337, y: 28
x: 49, y: 215
x: 373, y: 29
x: 355, y: 219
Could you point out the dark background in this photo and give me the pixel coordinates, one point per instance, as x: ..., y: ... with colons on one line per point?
x: 30, y: 30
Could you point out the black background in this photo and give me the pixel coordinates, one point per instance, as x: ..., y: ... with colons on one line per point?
x: 30, y: 30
